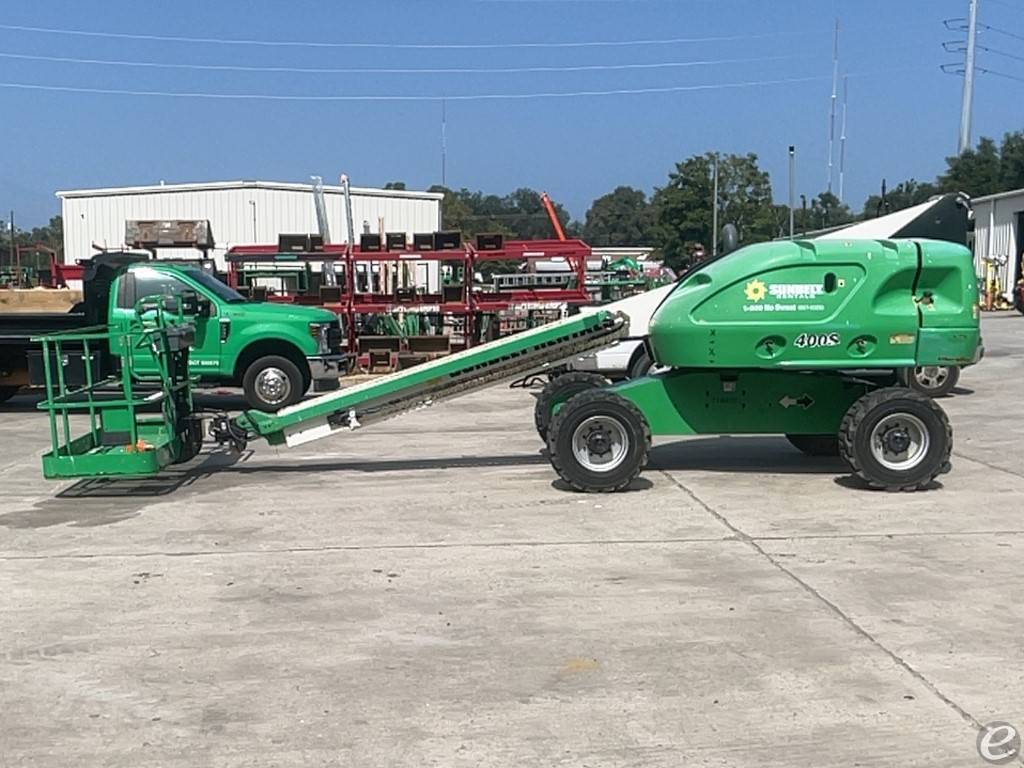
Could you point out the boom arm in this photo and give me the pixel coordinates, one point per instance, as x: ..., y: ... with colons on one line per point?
x: 447, y: 377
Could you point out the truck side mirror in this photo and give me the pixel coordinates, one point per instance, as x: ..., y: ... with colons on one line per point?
x: 149, y: 304
x: 194, y: 305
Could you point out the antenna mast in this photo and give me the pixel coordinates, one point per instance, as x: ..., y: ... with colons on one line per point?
x: 842, y: 137
x: 835, y: 95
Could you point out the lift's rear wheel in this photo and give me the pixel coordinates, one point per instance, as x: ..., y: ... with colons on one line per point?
x: 896, y: 439
x: 560, y: 390
x: 815, y: 445
x: 598, y: 442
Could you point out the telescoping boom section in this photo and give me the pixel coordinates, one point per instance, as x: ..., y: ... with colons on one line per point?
x: 457, y: 374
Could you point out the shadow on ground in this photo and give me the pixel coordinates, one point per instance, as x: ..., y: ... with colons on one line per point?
x: 741, y: 454
x: 87, y: 502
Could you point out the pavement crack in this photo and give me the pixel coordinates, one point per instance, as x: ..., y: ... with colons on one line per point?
x: 983, y: 463
x: 369, y: 548
x: 898, y: 660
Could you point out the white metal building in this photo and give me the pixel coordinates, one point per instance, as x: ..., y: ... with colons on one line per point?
x: 239, y: 212
x: 999, y: 234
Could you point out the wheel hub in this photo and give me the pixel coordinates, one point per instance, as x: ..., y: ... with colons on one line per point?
x: 896, y: 440
x: 900, y: 441
x: 600, y: 443
x: 931, y: 376
x: 273, y: 386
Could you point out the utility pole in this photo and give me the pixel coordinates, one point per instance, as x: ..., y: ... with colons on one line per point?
x: 832, y: 114
x: 968, y: 102
x: 444, y: 142
x: 714, y: 214
x: 13, y: 247
x: 792, y: 188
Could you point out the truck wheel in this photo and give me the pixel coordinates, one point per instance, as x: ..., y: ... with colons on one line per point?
x: 273, y: 382
x: 932, y: 380
x: 896, y: 439
x: 560, y: 390
x: 642, y: 365
x: 815, y: 445
x: 6, y: 393
x: 598, y: 442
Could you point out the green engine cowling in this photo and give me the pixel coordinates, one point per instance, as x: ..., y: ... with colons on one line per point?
x: 820, y: 304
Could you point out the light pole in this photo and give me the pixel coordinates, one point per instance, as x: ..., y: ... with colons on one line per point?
x: 792, y: 188
x: 714, y: 214
x: 253, y: 204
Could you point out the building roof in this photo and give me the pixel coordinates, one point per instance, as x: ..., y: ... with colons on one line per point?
x: 212, y: 186
x: 998, y: 196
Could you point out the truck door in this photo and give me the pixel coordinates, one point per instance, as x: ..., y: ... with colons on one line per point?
x: 145, y: 281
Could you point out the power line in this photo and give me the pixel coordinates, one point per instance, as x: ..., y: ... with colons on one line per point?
x: 1001, y: 74
x: 1001, y: 53
x: 1001, y: 32
x: 414, y: 46
x: 387, y: 70
x: 400, y: 97
x: 1007, y: 5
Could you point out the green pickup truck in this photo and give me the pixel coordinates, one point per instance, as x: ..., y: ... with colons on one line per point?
x: 275, y: 352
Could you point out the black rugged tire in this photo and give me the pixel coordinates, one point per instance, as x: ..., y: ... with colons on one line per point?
x: 815, y: 445
x: 598, y: 402
x: 910, y: 379
x: 860, y: 420
x: 641, y: 365
x: 560, y: 390
x: 191, y: 441
x: 6, y: 393
x: 295, y: 378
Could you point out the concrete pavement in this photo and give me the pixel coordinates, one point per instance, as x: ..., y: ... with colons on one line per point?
x: 424, y: 593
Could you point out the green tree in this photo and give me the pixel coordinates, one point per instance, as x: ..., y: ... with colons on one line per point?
x: 976, y: 172
x: 620, y: 218
x: 827, y: 210
x: 1011, y: 162
x: 684, y: 205
x: 904, y: 195
x: 518, y: 215
x: 395, y: 185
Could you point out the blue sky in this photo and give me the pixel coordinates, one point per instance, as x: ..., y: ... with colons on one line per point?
x: 903, y: 116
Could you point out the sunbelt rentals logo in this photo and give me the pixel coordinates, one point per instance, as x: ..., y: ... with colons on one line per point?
x: 755, y: 290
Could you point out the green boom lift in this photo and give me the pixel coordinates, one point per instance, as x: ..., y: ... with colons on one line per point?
x: 794, y: 338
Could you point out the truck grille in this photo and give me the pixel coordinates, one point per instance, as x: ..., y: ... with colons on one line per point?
x: 334, y: 337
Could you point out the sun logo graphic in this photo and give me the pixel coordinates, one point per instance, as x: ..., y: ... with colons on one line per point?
x: 755, y: 290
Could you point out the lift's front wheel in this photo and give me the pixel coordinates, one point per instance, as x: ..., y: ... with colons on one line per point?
x: 598, y: 442
x: 896, y: 439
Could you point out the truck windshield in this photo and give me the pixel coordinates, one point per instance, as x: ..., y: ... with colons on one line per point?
x: 216, y: 287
